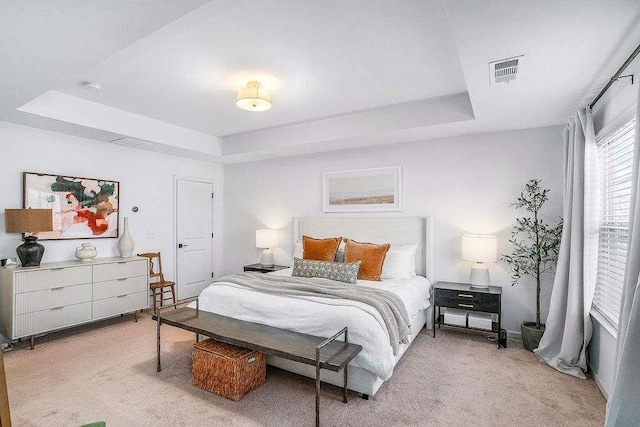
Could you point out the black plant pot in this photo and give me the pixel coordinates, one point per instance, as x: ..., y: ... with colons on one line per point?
x: 530, y: 335
x: 30, y: 252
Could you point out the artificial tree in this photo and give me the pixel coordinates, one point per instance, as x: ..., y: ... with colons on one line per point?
x: 535, y: 244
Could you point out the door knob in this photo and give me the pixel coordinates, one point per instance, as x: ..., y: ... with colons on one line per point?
x: 180, y: 245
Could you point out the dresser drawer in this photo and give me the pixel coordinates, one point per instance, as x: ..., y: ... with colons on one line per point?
x: 53, y: 318
x: 28, y: 302
x: 113, y: 288
x: 120, y: 304
x: 119, y: 270
x: 37, y: 280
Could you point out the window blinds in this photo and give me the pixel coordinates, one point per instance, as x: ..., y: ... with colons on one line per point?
x: 615, y: 157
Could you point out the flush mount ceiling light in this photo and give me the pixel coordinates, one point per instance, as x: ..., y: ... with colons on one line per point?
x: 253, y: 97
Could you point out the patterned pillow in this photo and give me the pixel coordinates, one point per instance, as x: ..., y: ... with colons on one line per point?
x: 340, y: 271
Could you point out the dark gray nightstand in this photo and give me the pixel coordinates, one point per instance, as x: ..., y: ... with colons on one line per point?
x: 262, y: 269
x: 465, y: 297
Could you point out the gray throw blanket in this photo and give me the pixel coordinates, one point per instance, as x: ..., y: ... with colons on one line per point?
x: 388, y: 304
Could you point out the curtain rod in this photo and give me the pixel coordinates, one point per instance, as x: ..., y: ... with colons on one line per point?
x: 615, y: 77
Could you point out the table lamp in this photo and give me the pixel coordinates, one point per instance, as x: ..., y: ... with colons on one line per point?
x: 480, y: 249
x: 266, y: 239
x: 29, y: 221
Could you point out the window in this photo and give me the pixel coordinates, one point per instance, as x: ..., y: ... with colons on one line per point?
x: 615, y: 157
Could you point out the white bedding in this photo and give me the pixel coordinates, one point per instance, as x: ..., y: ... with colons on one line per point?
x: 323, y: 316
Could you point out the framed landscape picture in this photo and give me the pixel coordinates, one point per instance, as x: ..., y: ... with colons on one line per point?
x: 365, y: 190
x: 83, y: 208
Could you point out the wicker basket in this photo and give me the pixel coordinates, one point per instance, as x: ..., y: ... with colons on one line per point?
x: 227, y: 370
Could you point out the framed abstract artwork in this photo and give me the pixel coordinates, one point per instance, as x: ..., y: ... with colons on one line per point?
x: 83, y: 208
x: 365, y: 190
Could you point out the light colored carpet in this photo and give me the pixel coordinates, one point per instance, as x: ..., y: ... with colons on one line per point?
x: 107, y: 372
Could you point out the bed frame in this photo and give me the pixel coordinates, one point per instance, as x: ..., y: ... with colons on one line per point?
x: 394, y: 230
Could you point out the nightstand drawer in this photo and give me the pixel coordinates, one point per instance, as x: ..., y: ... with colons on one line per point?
x: 487, y: 305
x: 263, y: 269
x: 471, y: 295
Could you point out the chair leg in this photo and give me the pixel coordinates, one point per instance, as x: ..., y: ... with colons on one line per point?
x: 173, y: 292
x: 155, y: 308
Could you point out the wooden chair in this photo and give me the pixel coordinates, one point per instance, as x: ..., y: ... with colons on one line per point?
x: 161, y: 286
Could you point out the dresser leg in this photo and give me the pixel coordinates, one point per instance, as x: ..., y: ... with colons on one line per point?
x: 33, y: 342
x: 135, y: 316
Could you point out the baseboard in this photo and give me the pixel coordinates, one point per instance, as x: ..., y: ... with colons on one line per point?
x: 603, y: 390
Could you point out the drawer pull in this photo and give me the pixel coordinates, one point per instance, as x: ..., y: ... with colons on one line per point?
x: 122, y: 262
x: 122, y: 278
x: 122, y: 296
x: 57, y: 308
x: 465, y: 296
x: 58, y: 288
x: 57, y: 269
x: 465, y: 305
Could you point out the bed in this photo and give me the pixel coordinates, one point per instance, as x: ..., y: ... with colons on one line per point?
x: 322, y: 317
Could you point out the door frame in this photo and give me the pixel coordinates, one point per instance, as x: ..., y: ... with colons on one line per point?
x: 177, y: 178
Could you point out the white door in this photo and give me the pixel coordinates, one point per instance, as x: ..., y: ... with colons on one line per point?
x: 194, y: 236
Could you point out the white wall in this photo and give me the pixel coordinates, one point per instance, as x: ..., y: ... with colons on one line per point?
x: 146, y: 181
x: 467, y: 183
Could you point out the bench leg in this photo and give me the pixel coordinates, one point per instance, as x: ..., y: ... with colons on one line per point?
x: 158, y: 369
x: 344, y: 390
x: 317, y: 392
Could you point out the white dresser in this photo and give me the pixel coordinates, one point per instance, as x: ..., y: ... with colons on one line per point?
x: 35, y: 300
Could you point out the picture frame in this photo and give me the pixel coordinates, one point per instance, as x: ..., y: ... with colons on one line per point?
x: 82, y: 208
x: 363, y: 190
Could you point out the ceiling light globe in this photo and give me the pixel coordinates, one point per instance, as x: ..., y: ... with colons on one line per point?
x: 253, y: 98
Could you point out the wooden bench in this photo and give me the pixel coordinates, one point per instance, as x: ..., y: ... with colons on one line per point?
x: 323, y: 353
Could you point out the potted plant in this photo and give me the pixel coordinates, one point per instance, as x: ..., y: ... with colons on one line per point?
x: 535, y: 251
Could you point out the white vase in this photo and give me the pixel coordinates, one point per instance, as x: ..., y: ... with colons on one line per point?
x: 125, y: 244
x: 86, y: 252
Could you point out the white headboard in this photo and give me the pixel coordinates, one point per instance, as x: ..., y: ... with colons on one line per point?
x: 398, y: 230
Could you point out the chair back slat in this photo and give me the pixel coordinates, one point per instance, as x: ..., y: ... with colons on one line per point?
x: 153, y: 272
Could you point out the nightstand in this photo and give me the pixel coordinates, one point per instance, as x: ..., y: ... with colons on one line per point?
x: 259, y: 267
x: 463, y: 296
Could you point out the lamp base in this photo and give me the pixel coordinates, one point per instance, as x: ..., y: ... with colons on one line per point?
x: 266, y: 259
x: 30, y: 252
x: 479, y: 277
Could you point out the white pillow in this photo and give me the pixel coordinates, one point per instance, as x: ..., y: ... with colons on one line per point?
x: 297, y: 250
x: 340, y: 251
x: 400, y: 262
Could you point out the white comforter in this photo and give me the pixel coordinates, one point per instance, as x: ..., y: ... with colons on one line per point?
x: 323, y: 316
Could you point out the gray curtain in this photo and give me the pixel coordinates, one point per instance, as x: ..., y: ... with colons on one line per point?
x: 623, y: 408
x: 568, y: 327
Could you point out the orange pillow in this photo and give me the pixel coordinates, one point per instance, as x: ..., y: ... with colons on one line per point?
x: 320, y: 249
x: 371, y: 258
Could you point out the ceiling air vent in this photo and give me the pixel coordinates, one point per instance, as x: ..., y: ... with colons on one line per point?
x: 127, y: 141
x: 504, y: 70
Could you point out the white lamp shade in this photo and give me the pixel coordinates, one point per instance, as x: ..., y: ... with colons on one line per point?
x: 479, y: 248
x: 266, y: 238
x: 253, y: 97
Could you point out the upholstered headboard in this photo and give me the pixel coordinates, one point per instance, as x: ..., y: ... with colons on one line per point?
x: 398, y: 230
